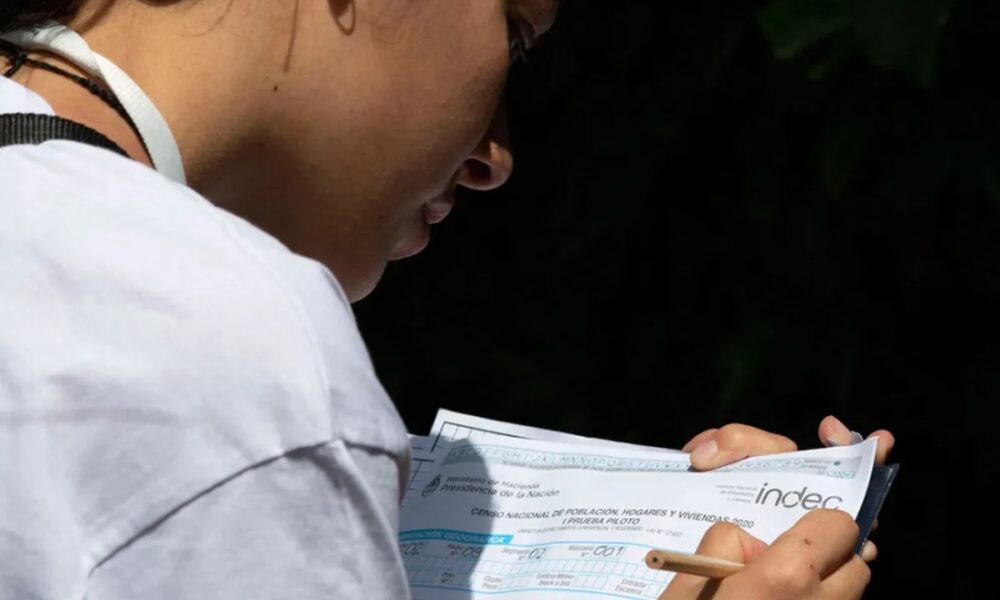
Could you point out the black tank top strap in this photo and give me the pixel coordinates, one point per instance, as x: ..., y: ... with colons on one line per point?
x: 32, y: 128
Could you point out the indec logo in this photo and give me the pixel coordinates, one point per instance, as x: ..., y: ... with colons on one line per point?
x: 796, y: 498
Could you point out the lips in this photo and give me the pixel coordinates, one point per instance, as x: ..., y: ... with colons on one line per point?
x: 432, y: 213
x: 438, y: 209
x: 413, y: 244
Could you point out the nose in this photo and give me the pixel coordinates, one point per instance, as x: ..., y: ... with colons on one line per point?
x: 491, y: 162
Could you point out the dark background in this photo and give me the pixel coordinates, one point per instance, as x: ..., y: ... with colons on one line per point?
x: 759, y: 212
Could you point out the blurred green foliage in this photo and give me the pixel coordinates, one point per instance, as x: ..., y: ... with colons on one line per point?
x: 762, y: 212
x: 893, y: 34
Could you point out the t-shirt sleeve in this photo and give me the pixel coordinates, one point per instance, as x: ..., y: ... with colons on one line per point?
x: 315, y: 523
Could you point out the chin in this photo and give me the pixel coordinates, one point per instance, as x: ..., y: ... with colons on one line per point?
x: 361, y: 276
x: 356, y: 281
x: 359, y: 287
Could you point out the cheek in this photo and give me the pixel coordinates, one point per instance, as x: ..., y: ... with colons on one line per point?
x: 418, y: 104
x: 448, y: 78
x: 423, y: 124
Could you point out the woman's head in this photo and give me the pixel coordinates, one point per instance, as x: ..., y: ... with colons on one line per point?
x: 340, y: 126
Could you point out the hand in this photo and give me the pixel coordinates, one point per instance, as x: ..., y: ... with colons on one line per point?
x: 814, y: 560
x: 719, y: 447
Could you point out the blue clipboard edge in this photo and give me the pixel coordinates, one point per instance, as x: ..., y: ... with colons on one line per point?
x: 878, y: 490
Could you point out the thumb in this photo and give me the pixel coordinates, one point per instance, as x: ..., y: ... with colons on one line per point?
x: 725, y: 541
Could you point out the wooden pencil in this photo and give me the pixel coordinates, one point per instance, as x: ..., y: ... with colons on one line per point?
x: 692, y: 564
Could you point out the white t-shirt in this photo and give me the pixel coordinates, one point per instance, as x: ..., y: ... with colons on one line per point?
x: 187, y: 409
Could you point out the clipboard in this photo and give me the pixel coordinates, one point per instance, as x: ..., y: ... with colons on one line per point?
x: 879, y: 485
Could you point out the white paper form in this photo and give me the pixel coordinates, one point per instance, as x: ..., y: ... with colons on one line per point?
x: 451, y: 426
x: 421, y: 461
x: 529, y: 520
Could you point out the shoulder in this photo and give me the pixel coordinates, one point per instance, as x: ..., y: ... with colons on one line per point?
x: 144, y: 279
x: 153, y: 346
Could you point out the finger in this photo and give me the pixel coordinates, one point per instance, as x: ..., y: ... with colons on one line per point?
x: 833, y: 432
x: 821, y: 541
x: 722, y: 540
x: 869, y: 552
x: 699, y: 439
x: 735, y: 442
x: 848, y: 582
x: 886, y: 441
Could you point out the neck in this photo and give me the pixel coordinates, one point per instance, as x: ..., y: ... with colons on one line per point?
x: 205, y: 65
x: 199, y: 63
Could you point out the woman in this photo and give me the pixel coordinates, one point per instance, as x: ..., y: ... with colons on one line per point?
x: 193, y: 193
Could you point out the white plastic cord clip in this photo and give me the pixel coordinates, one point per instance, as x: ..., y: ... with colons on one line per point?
x: 155, y: 132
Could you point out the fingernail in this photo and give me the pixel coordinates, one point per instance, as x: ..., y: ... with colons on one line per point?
x: 705, y: 452
x: 856, y: 438
x: 869, y: 552
x: 841, y: 434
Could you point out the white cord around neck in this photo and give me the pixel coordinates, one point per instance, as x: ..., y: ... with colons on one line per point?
x: 155, y: 132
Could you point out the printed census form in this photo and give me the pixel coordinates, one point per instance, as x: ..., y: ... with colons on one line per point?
x: 519, y: 518
x: 450, y: 426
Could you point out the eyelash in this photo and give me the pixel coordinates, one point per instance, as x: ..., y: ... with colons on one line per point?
x: 519, y: 36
